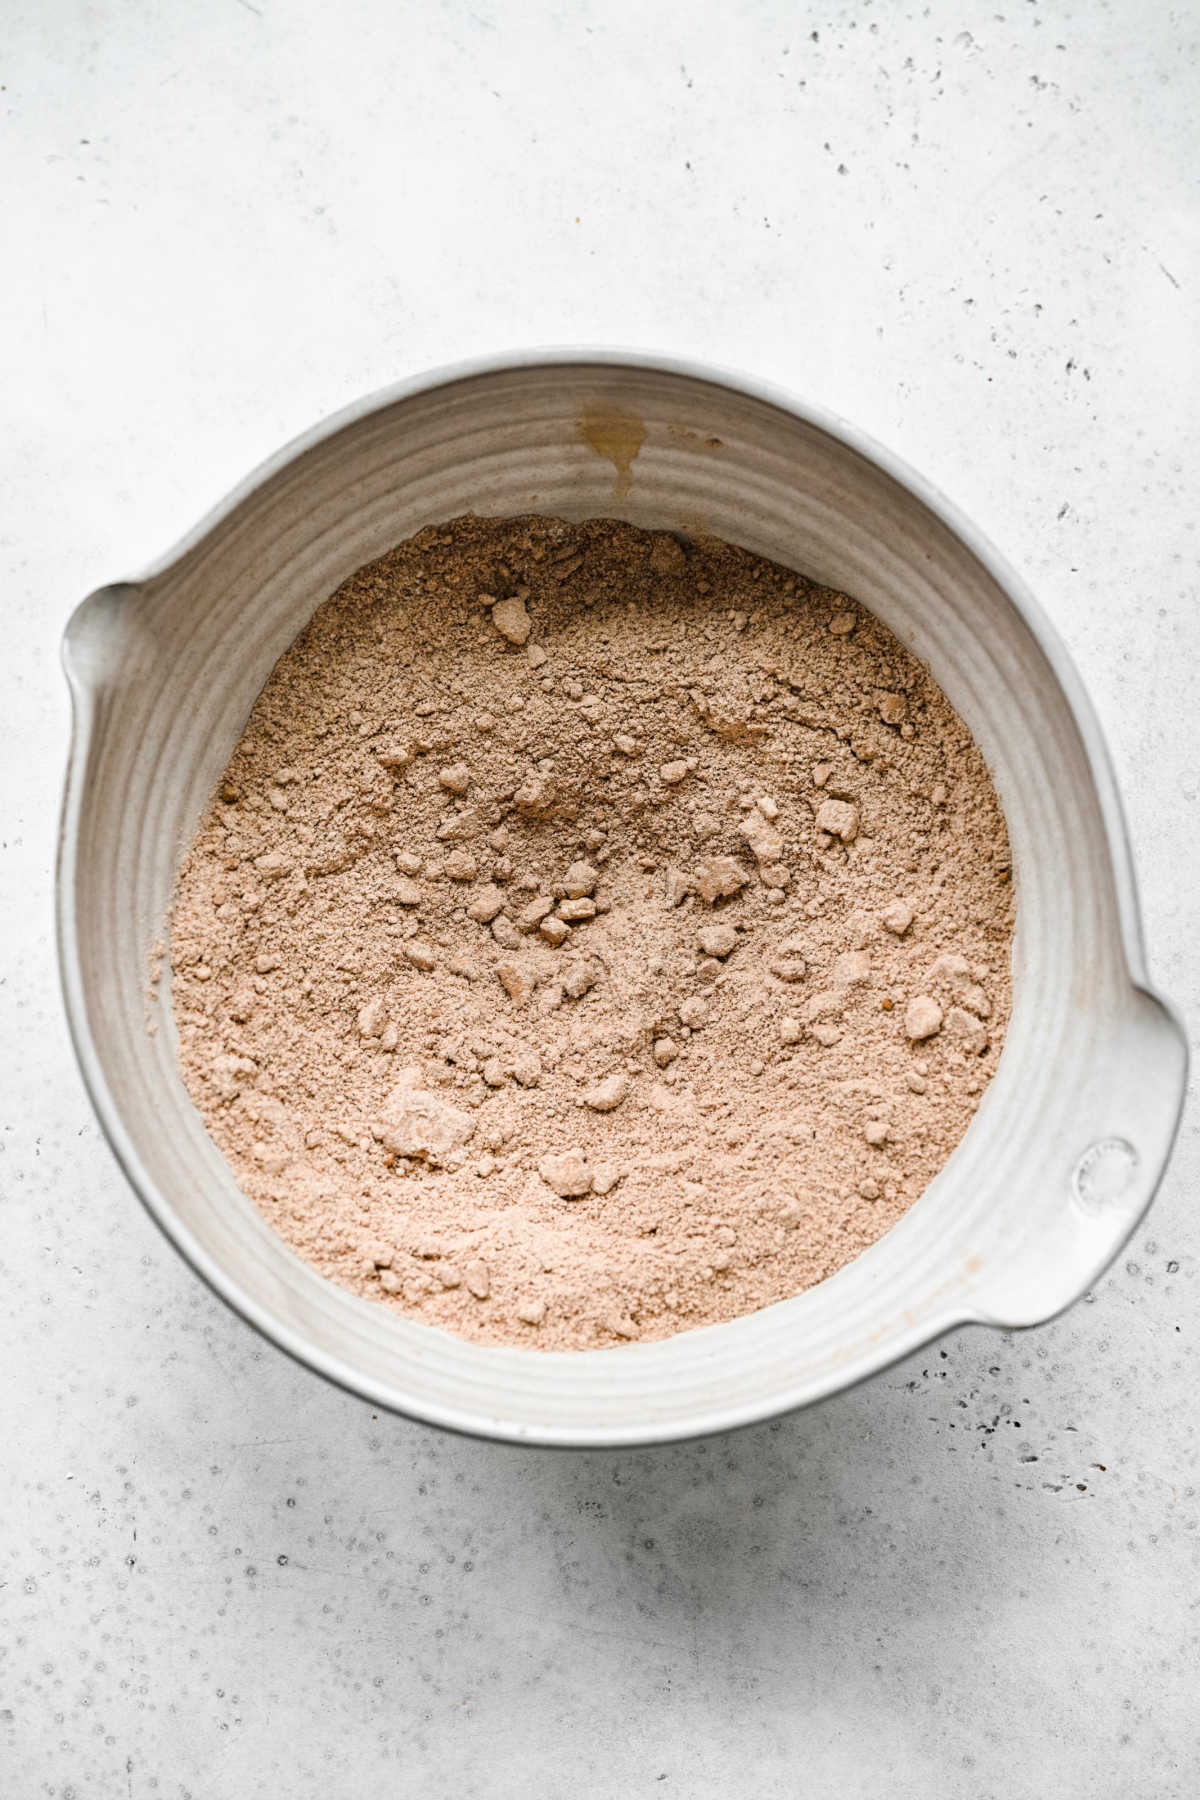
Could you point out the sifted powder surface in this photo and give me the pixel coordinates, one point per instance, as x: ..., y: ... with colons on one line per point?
x: 594, y: 935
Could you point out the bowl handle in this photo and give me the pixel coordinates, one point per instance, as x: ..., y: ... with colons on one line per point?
x: 1096, y: 1195
x: 95, y: 641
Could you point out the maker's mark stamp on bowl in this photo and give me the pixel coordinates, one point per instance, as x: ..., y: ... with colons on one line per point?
x: 1104, y: 1173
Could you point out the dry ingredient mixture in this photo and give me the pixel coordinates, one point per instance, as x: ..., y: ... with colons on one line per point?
x: 594, y: 935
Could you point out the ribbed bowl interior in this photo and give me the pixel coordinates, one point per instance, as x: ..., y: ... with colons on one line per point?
x: 165, y: 671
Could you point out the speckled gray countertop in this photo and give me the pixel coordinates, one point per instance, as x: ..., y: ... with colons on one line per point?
x: 973, y: 230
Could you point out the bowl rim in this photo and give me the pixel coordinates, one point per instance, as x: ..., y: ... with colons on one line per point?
x: 604, y: 358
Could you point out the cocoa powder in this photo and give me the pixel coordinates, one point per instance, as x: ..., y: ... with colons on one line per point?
x: 594, y: 934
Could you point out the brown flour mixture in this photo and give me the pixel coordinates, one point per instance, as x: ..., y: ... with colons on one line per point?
x: 593, y: 936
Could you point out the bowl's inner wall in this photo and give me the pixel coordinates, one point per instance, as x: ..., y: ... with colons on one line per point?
x: 172, y: 667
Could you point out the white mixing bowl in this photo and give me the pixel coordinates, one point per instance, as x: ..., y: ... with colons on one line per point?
x: 1071, y: 1138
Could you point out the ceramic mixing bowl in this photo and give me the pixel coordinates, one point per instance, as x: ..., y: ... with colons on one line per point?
x: 1073, y: 1132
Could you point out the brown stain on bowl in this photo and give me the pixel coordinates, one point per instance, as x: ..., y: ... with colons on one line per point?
x: 615, y: 435
x: 695, y: 440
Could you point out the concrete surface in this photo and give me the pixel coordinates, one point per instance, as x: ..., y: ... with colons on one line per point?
x: 974, y: 230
